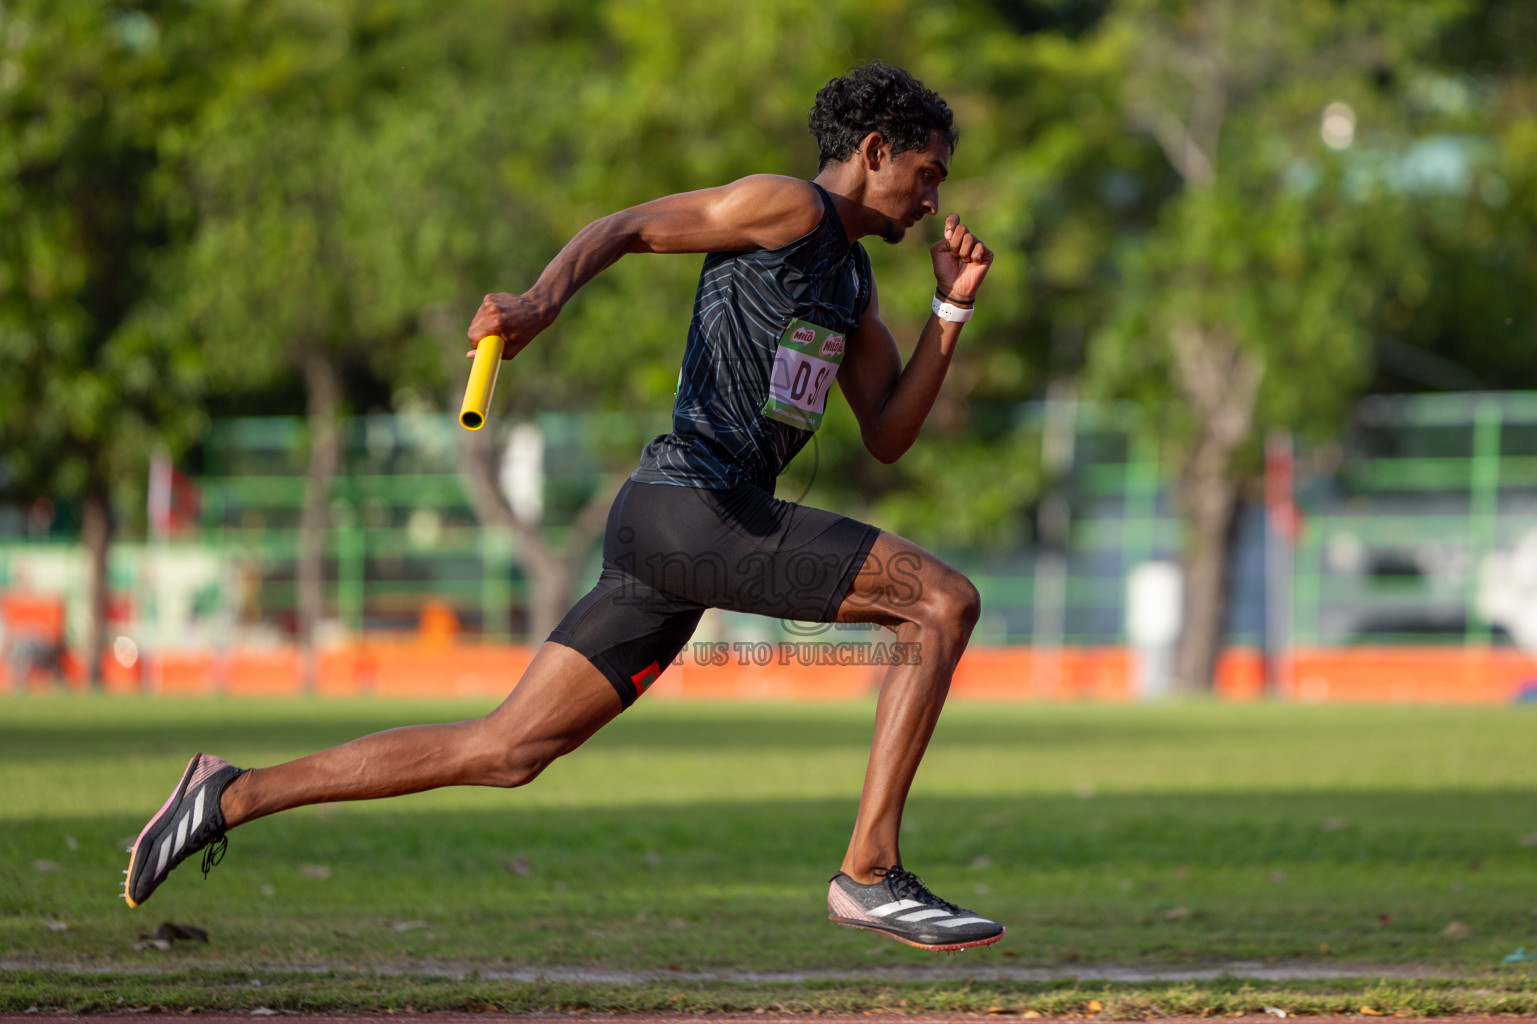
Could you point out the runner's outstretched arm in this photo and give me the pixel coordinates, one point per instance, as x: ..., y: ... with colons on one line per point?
x: 891, y: 401
x: 762, y: 211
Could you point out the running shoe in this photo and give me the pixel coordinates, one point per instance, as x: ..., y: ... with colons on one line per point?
x: 898, y: 904
x: 190, y: 821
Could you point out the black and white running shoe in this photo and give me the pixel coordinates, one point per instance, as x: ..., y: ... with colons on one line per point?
x: 898, y: 904
x: 189, y: 821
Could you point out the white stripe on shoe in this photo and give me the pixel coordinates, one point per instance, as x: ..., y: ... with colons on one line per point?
x: 197, y: 810
x: 887, y: 909
x: 181, y: 833
x: 165, y: 856
x: 964, y: 920
x: 924, y: 915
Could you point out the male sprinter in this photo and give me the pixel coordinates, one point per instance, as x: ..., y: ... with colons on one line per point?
x: 786, y: 304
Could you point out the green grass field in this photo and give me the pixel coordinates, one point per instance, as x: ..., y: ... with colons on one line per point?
x: 700, y: 838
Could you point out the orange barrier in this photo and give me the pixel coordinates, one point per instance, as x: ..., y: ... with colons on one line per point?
x: 444, y: 667
x: 1417, y: 675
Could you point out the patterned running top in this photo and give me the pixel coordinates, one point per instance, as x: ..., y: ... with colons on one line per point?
x: 746, y: 302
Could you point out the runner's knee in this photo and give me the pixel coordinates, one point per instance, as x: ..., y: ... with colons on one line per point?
x: 506, y: 759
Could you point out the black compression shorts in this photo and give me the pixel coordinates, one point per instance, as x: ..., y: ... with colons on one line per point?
x: 671, y: 552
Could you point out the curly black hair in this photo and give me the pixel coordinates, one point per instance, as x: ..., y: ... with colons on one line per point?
x: 878, y: 97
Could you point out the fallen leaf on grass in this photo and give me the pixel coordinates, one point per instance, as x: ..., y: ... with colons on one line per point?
x: 56, y: 926
x: 984, y: 861
x: 1095, y: 1006
x: 314, y: 871
x: 263, y: 1011
x: 1276, y: 1011
x: 484, y: 1008
x: 407, y: 926
x: 1368, y: 1011
x: 1458, y: 930
x: 1176, y: 913
x: 170, y: 932
x: 1031, y: 1015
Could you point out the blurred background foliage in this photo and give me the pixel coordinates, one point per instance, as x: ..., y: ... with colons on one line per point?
x: 1236, y: 216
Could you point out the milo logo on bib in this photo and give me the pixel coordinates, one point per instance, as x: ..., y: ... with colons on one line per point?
x: 805, y: 365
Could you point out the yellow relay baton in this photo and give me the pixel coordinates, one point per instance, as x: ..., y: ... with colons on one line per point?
x: 477, y: 393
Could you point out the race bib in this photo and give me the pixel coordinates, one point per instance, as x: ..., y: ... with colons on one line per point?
x: 804, y: 367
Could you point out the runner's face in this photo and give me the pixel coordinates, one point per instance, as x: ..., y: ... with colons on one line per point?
x: 909, y: 187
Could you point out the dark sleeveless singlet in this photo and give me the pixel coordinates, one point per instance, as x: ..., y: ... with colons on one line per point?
x: 720, y: 437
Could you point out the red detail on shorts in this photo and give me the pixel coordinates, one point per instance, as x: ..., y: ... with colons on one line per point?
x: 645, y: 677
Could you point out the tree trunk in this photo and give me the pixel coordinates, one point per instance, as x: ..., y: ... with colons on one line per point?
x: 1221, y: 381
x: 552, y: 571
x: 1207, y: 497
x: 323, y: 384
x: 96, y: 534
x: 552, y: 593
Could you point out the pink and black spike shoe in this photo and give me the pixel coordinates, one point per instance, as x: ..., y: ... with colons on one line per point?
x: 190, y: 821
x: 898, y: 904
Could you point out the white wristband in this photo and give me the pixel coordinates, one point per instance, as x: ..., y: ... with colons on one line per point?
x: 954, y: 314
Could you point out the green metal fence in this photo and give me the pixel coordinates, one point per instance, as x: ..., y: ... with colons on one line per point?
x: 1402, y: 518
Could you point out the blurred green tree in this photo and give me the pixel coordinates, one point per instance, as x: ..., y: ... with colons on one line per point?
x: 333, y: 219
x: 1236, y: 216
x: 1251, y: 301
x: 94, y: 374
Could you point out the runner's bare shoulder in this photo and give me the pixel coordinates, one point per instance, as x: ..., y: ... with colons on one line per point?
x: 772, y: 210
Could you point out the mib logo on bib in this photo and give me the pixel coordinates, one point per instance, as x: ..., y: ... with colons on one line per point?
x: 832, y: 347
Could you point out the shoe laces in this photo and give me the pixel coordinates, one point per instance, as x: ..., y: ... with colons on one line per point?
x: 907, y: 886
x: 213, y: 853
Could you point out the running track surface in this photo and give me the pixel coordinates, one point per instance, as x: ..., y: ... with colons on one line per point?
x: 674, y: 1018
x: 687, y: 1018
